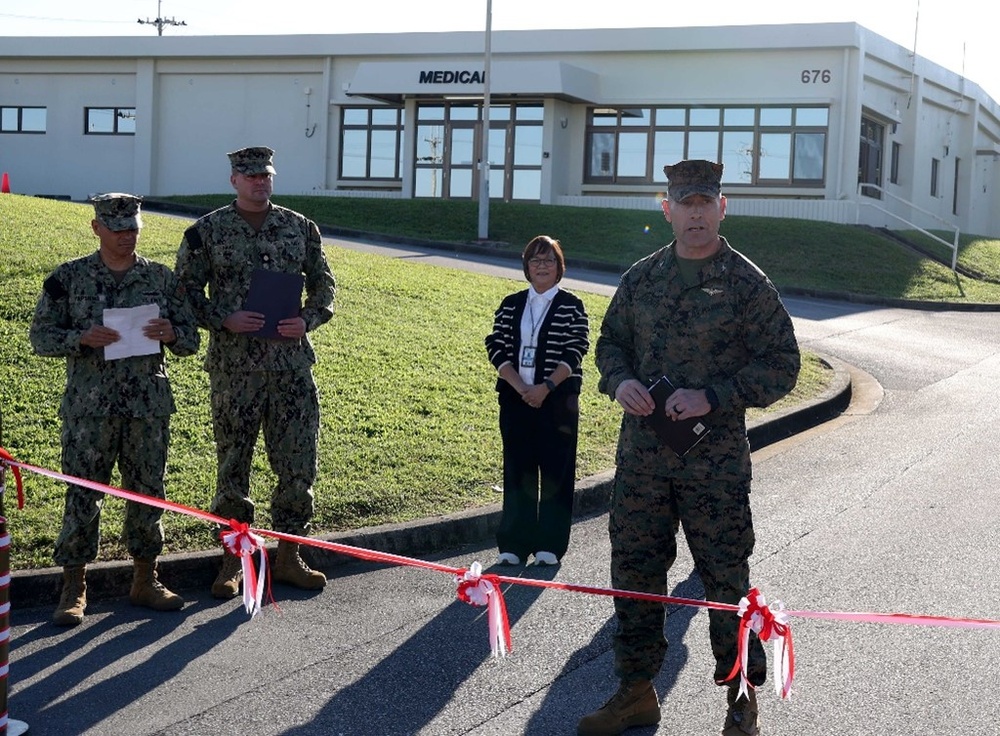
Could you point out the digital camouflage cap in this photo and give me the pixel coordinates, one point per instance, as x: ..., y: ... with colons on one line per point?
x: 118, y: 211
x: 252, y: 160
x: 693, y: 177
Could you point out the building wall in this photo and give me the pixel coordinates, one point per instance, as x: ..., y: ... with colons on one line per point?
x: 64, y: 161
x: 198, y: 97
x: 207, y: 109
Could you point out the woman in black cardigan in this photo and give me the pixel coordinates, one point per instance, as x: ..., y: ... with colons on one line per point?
x: 539, y: 338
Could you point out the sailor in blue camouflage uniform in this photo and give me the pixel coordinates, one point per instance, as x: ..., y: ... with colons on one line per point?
x: 257, y: 383
x: 705, y: 316
x: 113, y: 410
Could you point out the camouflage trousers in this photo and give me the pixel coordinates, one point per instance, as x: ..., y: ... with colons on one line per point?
x: 646, y: 512
x: 285, y: 405
x: 90, y: 448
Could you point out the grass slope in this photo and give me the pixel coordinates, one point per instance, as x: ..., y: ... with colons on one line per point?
x: 799, y: 254
x: 408, y: 406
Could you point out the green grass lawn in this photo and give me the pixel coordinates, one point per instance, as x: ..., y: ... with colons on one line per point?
x: 408, y: 406
x: 799, y: 254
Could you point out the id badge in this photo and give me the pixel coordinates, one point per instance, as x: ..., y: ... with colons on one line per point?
x: 528, y: 356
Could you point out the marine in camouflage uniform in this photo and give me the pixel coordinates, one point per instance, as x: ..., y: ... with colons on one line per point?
x: 705, y: 316
x: 113, y: 410
x: 259, y: 383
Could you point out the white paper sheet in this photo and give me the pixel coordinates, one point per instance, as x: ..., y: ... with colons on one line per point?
x: 129, y: 323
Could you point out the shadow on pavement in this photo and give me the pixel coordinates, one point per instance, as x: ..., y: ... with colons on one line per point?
x: 93, y: 647
x: 557, y: 715
x: 407, y: 688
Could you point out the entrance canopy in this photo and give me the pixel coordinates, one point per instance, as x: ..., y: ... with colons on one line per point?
x: 394, y: 81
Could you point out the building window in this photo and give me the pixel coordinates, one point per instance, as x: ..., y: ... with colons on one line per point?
x: 772, y: 146
x: 620, y: 143
x: 371, y: 143
x: 935, y: 170
x: 22, y: 119
x: 870, y: 157
x: 109, y: 121
x: 894, y: 163
x: 449, y: 146
x: 954, y: 188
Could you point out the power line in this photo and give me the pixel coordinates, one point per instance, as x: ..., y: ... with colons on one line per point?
x: 57, y: 20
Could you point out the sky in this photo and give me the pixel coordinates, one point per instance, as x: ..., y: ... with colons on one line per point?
x: 961, y: 35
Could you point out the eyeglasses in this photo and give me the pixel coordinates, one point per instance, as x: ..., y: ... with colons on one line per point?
x: 542, y: 261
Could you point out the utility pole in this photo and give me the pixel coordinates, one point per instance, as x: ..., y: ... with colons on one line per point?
x: 484, y: 157
x: 161, y: 21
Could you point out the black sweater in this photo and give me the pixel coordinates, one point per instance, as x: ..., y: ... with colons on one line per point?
x: 563, y: 337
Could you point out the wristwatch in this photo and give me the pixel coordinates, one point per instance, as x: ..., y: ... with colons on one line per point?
x: 548, y: 382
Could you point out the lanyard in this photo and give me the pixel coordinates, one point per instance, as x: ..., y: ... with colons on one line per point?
x: 535, y: 323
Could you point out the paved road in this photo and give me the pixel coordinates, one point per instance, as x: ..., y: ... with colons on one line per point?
x: 891, y: 507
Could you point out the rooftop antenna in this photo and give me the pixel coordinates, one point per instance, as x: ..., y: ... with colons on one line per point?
x: 161, y: 21
x: 913, y: 56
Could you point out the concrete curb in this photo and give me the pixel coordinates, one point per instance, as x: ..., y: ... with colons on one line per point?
x: 41, y: 587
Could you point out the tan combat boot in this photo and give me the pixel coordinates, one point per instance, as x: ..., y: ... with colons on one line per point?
x: 227, y: 582
x: 73, y: 601
x: 635, y: 704
x: 148, y: 591
x: 290, y: 568
x: 741, y: 717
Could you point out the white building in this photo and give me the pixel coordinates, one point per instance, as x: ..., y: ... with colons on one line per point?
x: 799, y: 114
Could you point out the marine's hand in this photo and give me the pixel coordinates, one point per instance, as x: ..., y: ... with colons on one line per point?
x: 293, y: 327
x: 634, y: 398
x: 686, y: 403
x: 159, y: 329
x: 243, y: 321
x: 99, y: 336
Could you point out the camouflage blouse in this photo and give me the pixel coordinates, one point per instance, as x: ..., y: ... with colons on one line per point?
x: 729, y: 332
x: 73, y: 299
x: 221, y: 251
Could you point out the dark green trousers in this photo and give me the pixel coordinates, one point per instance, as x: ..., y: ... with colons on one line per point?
x: 285, y: 406
x: 646, y: 513
x: 90, y: 448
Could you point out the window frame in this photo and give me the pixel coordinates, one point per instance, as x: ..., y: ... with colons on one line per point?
x: 370, y: 126
x: 896, y: 153
x: 515, y: 166
x: 19, y: 128
x: 696, y: 126
x: 117, y: 114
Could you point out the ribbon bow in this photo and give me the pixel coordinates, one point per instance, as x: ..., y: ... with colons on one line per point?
x: 484, y: 590
x: 756, y: 616
x: 4, y: 455
x: 239, y: 540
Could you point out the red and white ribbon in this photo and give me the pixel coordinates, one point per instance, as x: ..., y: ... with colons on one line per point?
x: 242, y: 542
x: 484, y: 590
x: 756, y: 616
x: 4, y: 455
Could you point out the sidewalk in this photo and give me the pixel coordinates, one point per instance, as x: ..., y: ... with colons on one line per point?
x: 41, y: 587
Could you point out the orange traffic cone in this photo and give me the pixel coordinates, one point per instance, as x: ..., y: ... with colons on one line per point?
x: 5, y: 184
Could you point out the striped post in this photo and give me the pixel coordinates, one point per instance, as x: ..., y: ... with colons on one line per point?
x: 8, y: 727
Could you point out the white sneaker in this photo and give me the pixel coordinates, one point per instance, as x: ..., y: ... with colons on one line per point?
x: 508, y: 558
x: 546, y: 558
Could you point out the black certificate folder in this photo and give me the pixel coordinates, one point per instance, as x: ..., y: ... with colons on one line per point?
x: 681, y: 434
x: 277, y: 296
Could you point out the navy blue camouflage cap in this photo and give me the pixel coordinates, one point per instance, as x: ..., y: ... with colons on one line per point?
x: 117, y: 211
x: 252, y: 160
x: 693, y: 177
